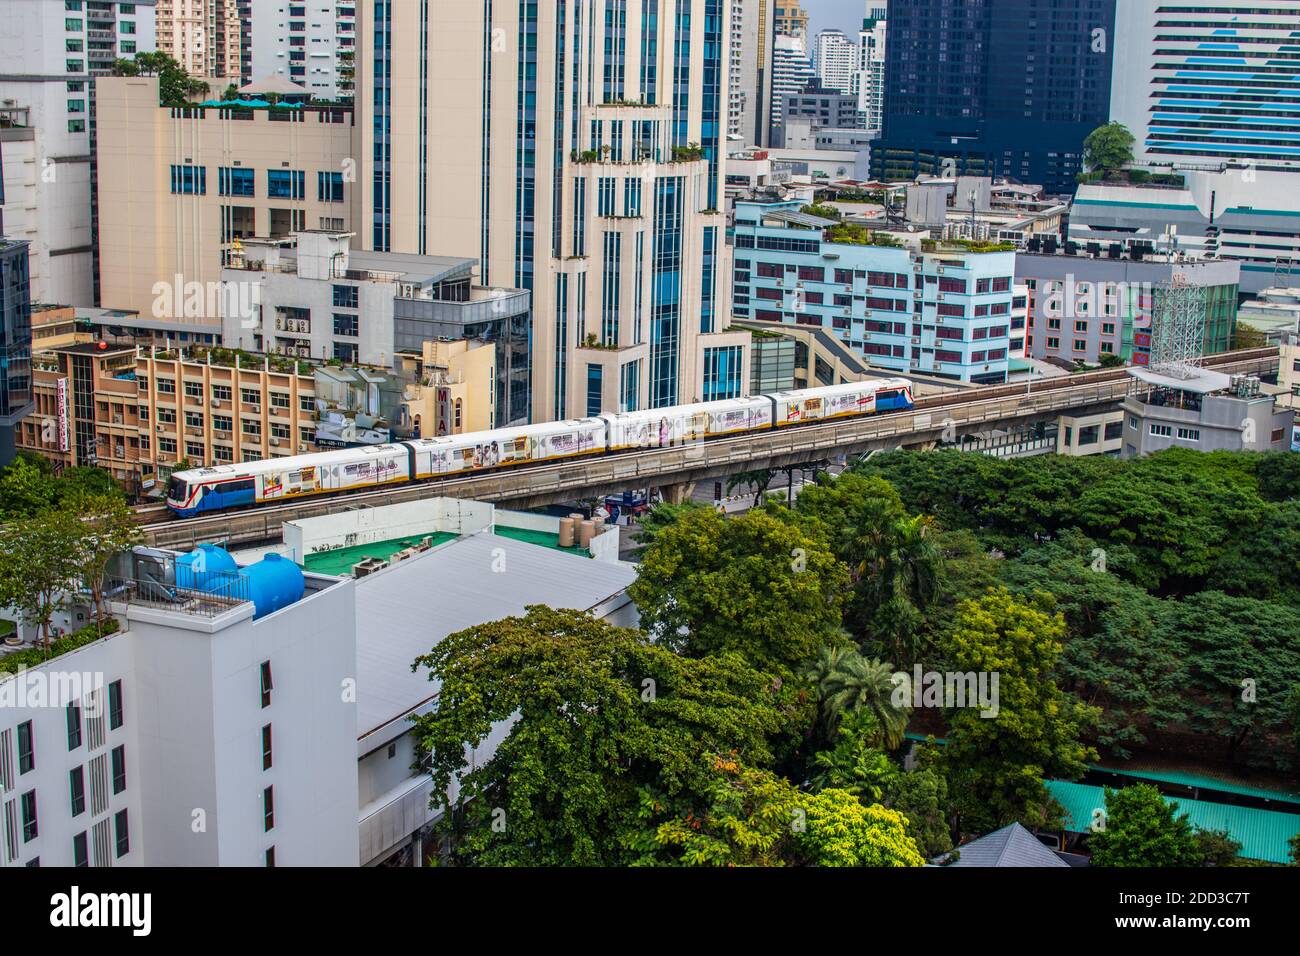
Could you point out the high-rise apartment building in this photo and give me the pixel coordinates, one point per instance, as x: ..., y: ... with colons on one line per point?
x: 576, y: 149
x: 791, y: 19
x: 835, y: 59
x: 203, y: 36
x: 52, y: 51
x: 1208, y: 81
x: 995, y: 88
x: 749, y: 104
x: 313, y: 45
x: 792, y: 72
x: 868, y: 83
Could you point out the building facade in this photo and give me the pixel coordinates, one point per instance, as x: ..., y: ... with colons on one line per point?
x: 1208, y: 412
x: 317, y: 298
x: 52, y: 53
x: 578, y: 152
x: 15, y: 343
x: 792, y: 72
x: 204, y: 732
x: 183, y: 187
x: 749, y: 104
x: 791, y: 19
x: 1207, y: 81
x: 203, y: 36
x: 313, y: 46
x: 1084, y: 307
x: 1008, y: 88
x: 941, y: 311
x: 835, y: 59
x: 140, y: 412
x: 1235, y: 212
x: 868, y: 83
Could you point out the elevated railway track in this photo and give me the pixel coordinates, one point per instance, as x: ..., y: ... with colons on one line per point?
x: 998, y: 406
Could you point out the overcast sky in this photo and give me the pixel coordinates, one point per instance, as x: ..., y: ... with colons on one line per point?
x: 843, y: 14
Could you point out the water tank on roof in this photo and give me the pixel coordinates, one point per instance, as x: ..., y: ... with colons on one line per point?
x: 202, y: 566
x: 273, y: 583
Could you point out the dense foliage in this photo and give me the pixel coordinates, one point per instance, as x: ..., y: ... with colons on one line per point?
x: 1034, y: 614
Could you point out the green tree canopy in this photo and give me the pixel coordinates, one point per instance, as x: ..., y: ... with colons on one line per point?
x: 1108, y: 148
x: 754, y: 584
x: 1141, y: 829
x: 1001, y: 761
x: 602, y: 724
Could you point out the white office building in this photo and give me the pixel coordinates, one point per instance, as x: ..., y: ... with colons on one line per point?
x: 792, y: 71
x: 869, y: 77
x: 311, y: 44
x: 835, y: 60
x: 50, y: 52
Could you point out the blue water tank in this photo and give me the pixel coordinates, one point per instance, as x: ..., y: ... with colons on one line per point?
x: 273, y: 583
x: 206, y: 563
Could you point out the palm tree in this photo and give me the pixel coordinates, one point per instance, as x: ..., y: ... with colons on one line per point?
x: 848, y: 682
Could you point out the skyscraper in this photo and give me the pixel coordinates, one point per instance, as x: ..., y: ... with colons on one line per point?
x: 791, y: 73
x: 835, y: 58
x: 316, y: 52
x: 51, y: 52
x: 203, y: 36
x: 791, y: 19
x: 749, y: 108
x: 575, y: 147
x: 1209, y: 81
x: 869, y: 78
x: 994, y: 87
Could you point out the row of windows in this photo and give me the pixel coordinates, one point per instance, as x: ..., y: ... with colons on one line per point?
x: 236, y: 181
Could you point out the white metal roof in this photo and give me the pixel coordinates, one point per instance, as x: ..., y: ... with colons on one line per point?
x: 404, y: 610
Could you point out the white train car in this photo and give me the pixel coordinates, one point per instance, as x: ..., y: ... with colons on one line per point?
x: 664, y: 427
x: 282, y: 479
x: 842, y: 401
x: 503, y: 447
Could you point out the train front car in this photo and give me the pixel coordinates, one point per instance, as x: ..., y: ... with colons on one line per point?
x: 848, y: 400
x: 183, y: 493
x: 219, y: 488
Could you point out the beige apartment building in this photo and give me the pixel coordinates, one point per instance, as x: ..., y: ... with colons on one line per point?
x: 179, y: 189
x: 139, y: 412
x: 203, y: 36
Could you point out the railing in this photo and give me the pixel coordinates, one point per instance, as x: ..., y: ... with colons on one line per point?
x: 218, y: 593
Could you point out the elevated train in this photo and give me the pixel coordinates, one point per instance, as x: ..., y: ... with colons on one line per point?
x: 206, y: 490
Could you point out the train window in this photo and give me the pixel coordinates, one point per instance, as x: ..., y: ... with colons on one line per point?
x: 230, y: 487
x: 178, y: 489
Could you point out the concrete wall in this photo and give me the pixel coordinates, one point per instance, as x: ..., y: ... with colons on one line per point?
x: 350, y: 528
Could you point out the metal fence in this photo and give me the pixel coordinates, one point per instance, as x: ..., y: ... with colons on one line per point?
x: 215, y: 594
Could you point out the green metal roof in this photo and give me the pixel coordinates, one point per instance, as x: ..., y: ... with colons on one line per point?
x: 1263, y: 834
x: 1203, y: 781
